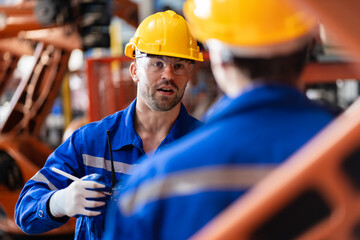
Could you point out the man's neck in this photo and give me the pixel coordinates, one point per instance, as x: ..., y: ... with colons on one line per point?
x: 153, y: 126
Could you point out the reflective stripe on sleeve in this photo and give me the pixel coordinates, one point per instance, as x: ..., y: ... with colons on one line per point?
x: 221, y: 178
x: 99, y: 162
x: 39, y: 177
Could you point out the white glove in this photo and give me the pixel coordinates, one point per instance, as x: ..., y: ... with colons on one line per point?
x: 74, y: 199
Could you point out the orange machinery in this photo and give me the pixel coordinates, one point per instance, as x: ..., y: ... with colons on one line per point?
x: 21, y: 152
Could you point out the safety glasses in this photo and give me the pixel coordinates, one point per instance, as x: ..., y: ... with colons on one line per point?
x: 158, y: 64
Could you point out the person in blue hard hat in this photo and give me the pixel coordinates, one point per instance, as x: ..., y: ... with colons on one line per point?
x: 258, y: 50
x: 165, y: 53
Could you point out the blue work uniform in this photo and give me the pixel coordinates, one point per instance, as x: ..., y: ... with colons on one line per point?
x: 175, y: 194
x: 87, y: 152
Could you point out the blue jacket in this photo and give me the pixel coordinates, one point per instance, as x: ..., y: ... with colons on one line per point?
x: 84, y: 153
x: 175, y: 193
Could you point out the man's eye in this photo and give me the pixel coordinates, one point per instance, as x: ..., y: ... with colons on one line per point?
x: 158, y: 64
x: 179, y: 66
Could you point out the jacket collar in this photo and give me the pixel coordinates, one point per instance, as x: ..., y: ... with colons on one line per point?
x: 124, y: 134
x: 258, y: 97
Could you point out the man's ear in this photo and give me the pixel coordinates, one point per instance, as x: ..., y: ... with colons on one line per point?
x: 188, y: 79
x: 133, y: 72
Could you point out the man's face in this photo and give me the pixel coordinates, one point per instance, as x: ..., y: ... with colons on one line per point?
x: 162, y: 80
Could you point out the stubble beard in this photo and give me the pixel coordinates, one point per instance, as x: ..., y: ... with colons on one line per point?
x: 160, y: 103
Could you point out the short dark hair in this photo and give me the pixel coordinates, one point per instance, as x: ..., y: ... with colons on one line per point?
x: 280, y: 69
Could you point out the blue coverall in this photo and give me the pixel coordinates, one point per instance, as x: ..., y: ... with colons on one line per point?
x: 173, y: 195
x: 84, y: 153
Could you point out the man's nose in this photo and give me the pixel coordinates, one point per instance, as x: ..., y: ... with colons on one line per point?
x: 169, y: 71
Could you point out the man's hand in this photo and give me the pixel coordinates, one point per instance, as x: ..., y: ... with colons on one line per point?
x: 80, y: 197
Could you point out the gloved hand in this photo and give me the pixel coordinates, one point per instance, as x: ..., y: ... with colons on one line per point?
x: 85, y: 197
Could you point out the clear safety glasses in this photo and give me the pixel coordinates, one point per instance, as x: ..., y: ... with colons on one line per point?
x: 158, y: 64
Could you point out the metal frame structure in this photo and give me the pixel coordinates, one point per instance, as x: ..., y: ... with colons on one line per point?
x: 109, y: 90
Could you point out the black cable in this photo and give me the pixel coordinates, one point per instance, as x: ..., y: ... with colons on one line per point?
x: 113, y: 179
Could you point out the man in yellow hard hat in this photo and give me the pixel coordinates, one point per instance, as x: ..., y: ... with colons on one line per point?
x: 258, y: 50
x: 165, y: 53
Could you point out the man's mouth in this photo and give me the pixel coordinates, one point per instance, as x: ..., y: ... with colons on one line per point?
x: 165, y: 90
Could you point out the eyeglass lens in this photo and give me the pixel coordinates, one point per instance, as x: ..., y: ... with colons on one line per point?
x: 159, y: 64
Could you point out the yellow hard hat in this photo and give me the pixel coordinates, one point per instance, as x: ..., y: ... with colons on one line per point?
x: 247, y: 23
x: 167, y: 34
